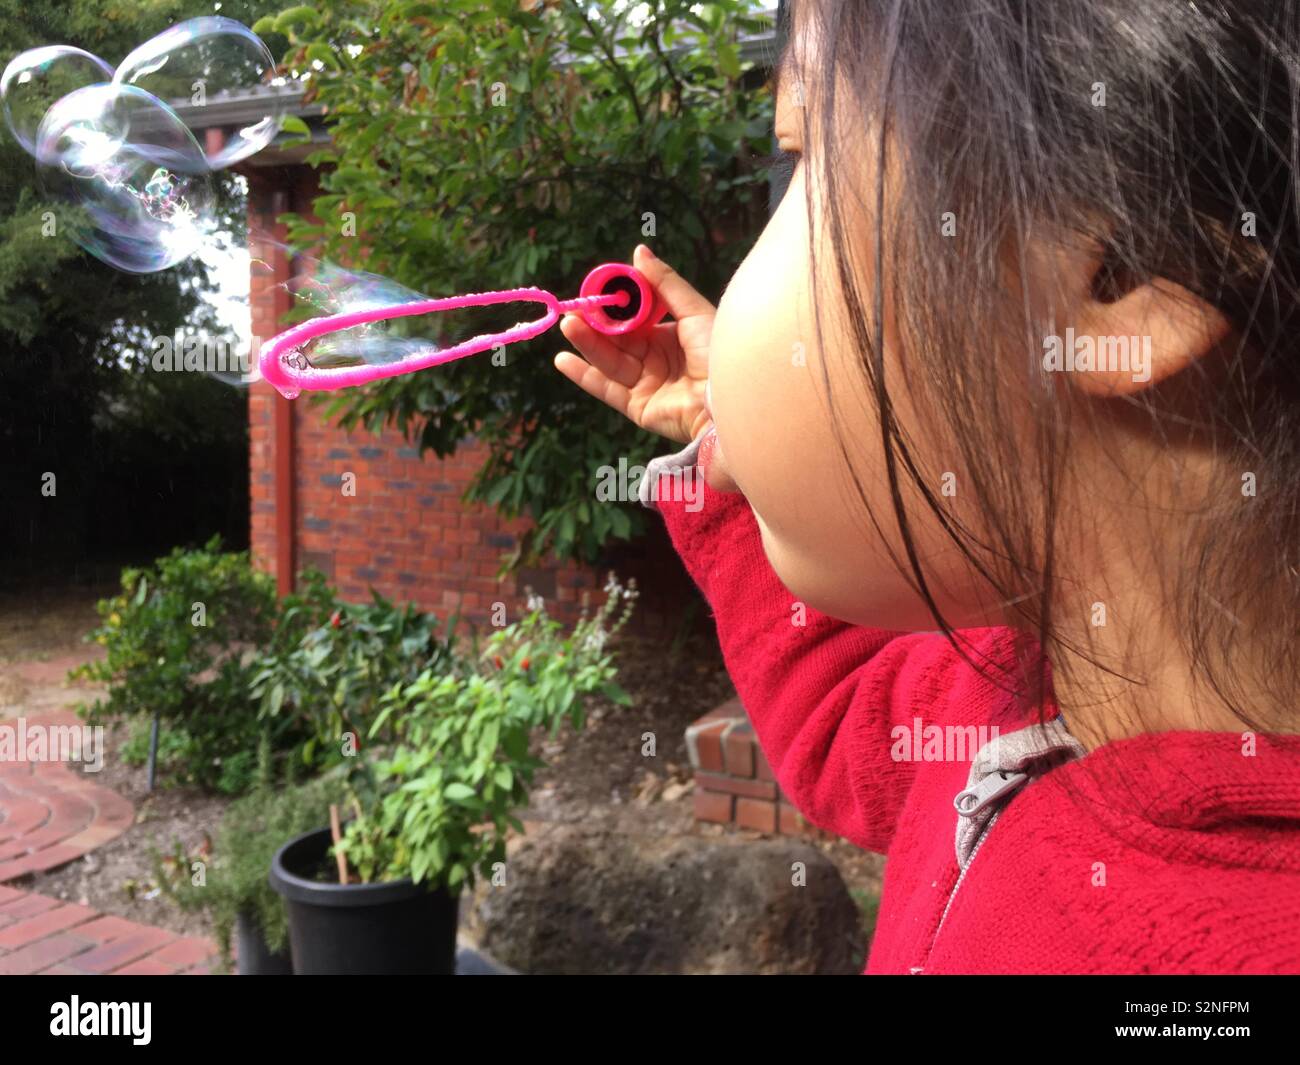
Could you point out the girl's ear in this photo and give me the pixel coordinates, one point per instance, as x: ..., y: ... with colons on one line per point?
x: 1149, y: 333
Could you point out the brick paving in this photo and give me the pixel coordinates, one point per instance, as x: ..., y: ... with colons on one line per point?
x: 53, y: 812
x: 47, y: 936
x: 50, y: 814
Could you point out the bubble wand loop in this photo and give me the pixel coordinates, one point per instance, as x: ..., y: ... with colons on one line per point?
x: 614, y: 299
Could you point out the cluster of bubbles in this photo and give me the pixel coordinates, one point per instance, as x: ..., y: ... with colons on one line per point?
x: 118, y: 145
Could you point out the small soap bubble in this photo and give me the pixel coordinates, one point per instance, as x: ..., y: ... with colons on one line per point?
x: 34, y: 80
x: 329, y: 289
x: 142, y: 203
x: 208, y: 61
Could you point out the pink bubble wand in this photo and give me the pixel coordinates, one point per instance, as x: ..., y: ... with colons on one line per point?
x: 614, y: 299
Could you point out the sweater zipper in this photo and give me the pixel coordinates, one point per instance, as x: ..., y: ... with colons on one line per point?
x: 996, y: 787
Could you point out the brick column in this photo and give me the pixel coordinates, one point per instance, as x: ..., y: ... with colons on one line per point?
x: 734, y: 785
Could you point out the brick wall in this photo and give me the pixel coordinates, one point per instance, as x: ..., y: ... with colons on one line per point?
x: 405, y: 532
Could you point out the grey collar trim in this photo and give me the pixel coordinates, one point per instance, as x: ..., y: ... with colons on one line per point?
x: 647, y: 490
x: 1003, y: 766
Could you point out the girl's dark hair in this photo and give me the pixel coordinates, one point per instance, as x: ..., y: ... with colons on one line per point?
x: 1165, y: 131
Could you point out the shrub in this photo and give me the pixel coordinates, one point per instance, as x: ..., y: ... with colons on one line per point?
x: 178, y: 637
x: 488, y: 144
x: 330, y: 663
x: 436, y: 803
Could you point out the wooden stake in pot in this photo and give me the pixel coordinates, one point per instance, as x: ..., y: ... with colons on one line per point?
x: 336, y: 832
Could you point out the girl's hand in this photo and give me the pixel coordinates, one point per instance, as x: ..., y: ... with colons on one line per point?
x: 657, y: 379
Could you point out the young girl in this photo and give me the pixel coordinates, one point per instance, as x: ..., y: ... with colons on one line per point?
x: 1013, y: 360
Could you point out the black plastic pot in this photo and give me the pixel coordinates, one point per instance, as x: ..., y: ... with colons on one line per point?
x: 253, y: 956
x: 395, y: 928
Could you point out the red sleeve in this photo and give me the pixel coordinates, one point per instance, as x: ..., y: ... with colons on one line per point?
x: 823, y: 697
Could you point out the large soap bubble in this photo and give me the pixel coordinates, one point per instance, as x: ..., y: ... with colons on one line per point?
x: 34, y: 80
x: 117, y: 145
x: 210, y: 61
x: 142, y: 202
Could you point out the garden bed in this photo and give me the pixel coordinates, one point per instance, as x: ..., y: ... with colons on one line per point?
x: 597, y: 778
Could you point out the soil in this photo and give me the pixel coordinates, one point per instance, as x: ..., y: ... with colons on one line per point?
x: 600, y: 775
x: 597, y: 777
x: 47, y: 624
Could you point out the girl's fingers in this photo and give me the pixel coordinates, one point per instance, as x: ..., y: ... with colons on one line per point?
x: 615, y: 363
x: 681, y: 299
x: 593, y: 381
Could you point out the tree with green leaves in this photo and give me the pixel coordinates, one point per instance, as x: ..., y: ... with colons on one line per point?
x: 75, y: 399
x: 488, y: 144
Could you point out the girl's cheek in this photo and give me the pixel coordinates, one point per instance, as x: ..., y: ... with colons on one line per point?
x: 755, y: 348
x: 745, y: 389
x: 777, y: 441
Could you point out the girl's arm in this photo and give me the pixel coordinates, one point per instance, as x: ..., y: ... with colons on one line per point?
x: 823, y: 696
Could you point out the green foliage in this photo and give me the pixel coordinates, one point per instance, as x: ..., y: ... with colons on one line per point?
x: 472, y: 159
x: 177, y: 637
x: 75, y: 334
x: 331, y: 662
x: 46, y: 281
x: 201, y: 639
x: 173, y: 746
x: 462, y: 764
x: 48, y: 286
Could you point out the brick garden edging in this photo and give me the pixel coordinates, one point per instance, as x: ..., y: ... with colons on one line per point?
x: 734, y: 784
x: 51, y: 812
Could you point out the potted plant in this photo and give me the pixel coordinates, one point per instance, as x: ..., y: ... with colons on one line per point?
x: 320, y: 676
x: 231, y: 884
x: 380, y: 894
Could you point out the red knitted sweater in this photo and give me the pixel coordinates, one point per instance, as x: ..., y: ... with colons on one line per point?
x: 1172, y: 852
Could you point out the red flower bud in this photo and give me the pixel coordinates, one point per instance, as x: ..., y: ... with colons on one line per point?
x: 335, y: 619
x: 524, y: 663
x: 499, y: 663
